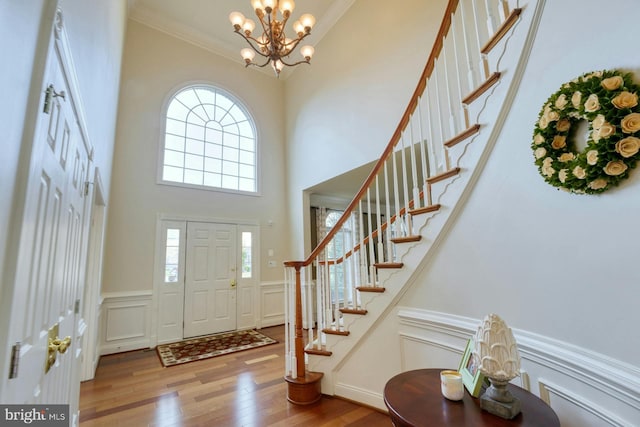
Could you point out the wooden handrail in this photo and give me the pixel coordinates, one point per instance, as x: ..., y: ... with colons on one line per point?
x: 395, y: 138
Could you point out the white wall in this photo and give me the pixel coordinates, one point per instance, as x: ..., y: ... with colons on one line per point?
x: 549, y: 262
x: 561, y: 269
x: 155, y: 65
x: 344, y: 108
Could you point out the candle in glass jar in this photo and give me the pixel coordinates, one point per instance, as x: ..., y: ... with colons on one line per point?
x: 451, y: 385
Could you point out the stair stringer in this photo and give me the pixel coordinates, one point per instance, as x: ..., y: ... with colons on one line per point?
x: 491, y: 112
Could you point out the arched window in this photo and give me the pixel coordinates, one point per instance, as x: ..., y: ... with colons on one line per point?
x: 210, y: 141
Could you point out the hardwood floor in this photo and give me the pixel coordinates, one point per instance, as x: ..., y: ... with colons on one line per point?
x: 240, y: 389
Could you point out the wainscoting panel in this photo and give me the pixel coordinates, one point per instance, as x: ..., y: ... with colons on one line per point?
x: 271, y: 304
x: 125, y: 322
x: 126, y: 318
x: 583, y: 387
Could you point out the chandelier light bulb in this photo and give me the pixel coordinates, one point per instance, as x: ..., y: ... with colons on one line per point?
x: 269, y: 5
x: 308, y: 21
x: 248, y: 54
x: 286, y: 6
x: 248, y: 26
x: 307, y: 52
x: 298, y: 28
x: 257, y: 5
x: 237, y: 19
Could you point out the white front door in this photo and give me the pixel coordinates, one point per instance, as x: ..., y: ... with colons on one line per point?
x: 50, y: 262
x: 210, y: 281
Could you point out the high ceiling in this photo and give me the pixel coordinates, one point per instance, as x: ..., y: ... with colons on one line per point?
x: 206, y: 22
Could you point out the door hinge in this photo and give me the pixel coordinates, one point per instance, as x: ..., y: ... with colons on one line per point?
x: 49, y: 94
x: 86, y: 187
x: 15, y: 359
x: 76, y: 308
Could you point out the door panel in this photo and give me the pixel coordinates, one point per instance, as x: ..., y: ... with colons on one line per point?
x: 210, y: 282
x: 50, y: 260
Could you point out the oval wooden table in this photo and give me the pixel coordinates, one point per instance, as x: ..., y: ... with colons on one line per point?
x: 414, y: 399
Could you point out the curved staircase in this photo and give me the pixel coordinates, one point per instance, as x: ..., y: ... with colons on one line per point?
x: 368, y: 259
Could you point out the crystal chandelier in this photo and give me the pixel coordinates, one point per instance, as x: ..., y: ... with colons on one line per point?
x: 273, y: 44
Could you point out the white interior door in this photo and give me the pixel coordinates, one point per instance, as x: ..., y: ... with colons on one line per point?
x: 50, y: 261
x: 210, y: 282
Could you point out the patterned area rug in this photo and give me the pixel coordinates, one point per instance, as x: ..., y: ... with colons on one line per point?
x: 210, y: 346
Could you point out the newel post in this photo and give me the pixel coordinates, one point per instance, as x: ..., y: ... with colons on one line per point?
x: 305, y: 388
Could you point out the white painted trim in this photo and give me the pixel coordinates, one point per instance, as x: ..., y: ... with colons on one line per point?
x: 359, y: 394
x: 548, y: 387
x: 614, y: 378
x: 266, y: 317
x: 124, y: 296
x: 137, y: 302
x: 196, y: 218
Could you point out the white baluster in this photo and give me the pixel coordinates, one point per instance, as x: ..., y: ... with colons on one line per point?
x: 287, y: 317
x: 405, y: 179
x: 319, y: 309
x: 492, y: 20
x: 326, y: 288
x: 447, y: 85
x: 414, y: 167
x: 433, y: 154
x: 362, y: 253
x: 459, y: 80
x: 423, y: 153
x: 379, y: 244
x: 503, y: 11
x: 441, y: 154
x: 372, y: 259
x: 396, y: 196
x: 473, y: 78
x: 353, y: 265
x: 476, y: 21
x: 343, y: 266
x: 388, y: 211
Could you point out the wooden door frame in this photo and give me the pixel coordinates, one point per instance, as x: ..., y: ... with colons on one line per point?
x: 158, y: 277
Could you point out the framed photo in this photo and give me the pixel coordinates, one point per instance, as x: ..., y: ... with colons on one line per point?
x: 472, y: 378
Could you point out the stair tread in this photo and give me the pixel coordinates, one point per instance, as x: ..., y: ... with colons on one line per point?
x: 407, y: 239
x: 425, y: 209
x: 370, y: 289
x: 335, y: 332
x: 388, y: 265
x: 318, y: 352
x: 353, y: 311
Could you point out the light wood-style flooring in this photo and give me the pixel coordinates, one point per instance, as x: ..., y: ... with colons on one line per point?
x: 239, y: 389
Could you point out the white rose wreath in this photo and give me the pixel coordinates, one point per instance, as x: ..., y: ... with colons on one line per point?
x: 608, y: 100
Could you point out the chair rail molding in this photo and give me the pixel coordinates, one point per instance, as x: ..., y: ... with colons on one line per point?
x: 567, y: 375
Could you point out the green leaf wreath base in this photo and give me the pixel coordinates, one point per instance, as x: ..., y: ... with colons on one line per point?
x: 608, y: 100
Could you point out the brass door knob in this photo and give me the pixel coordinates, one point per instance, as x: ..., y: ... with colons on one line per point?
x: 56, y: 346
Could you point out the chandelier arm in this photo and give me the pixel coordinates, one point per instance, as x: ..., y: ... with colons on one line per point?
x: 262, y: 23
x: 303, y: 61
x: 297, y: 41
x: 259, y: 65
x: 249, y: 39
